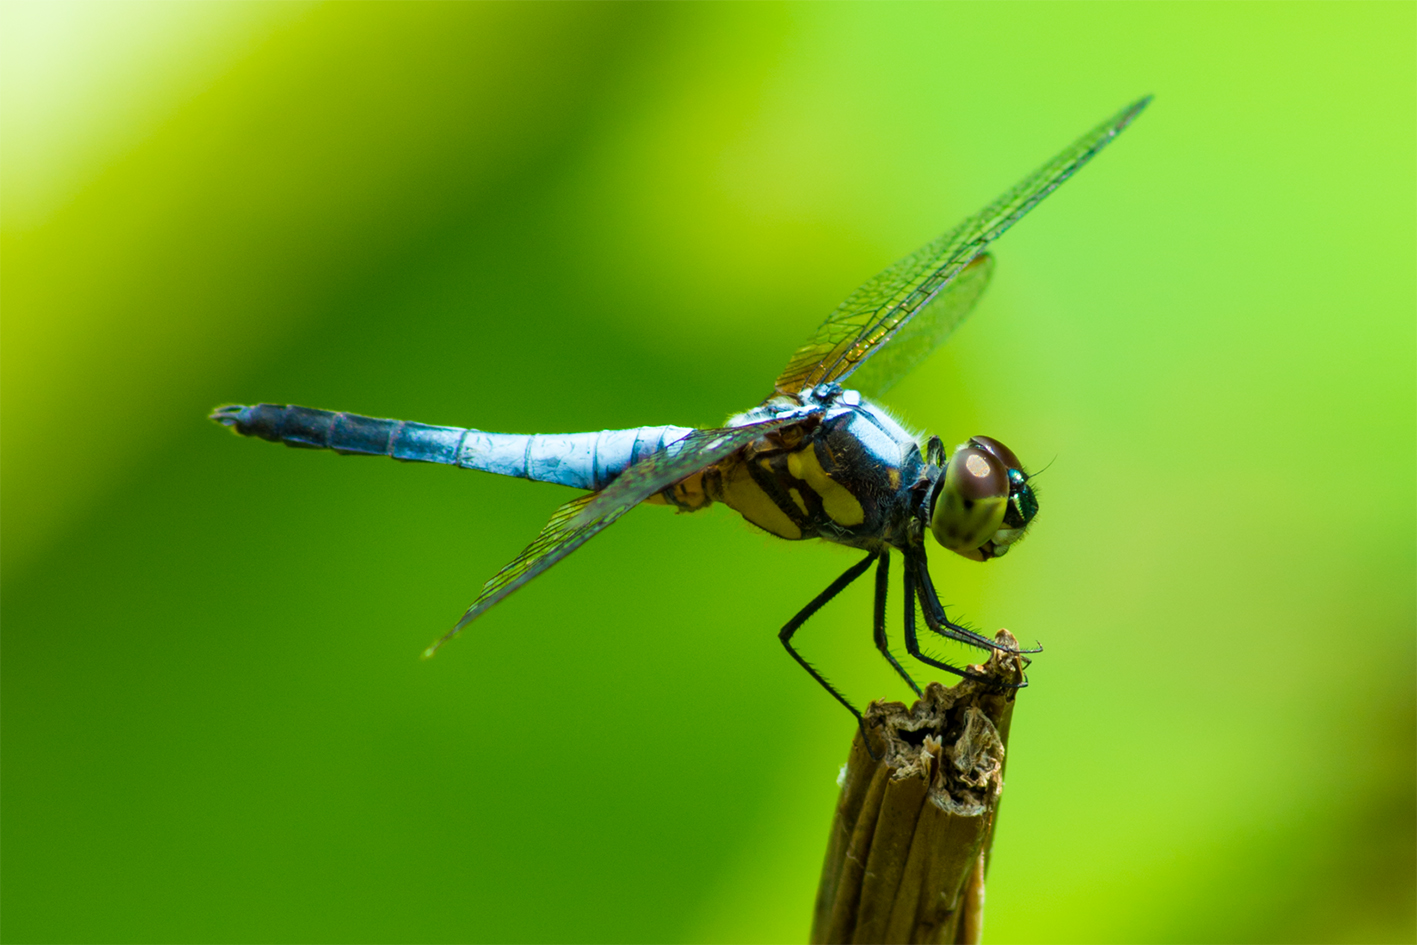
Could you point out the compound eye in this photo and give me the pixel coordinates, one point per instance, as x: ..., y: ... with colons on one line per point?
x: 970, y: 501
x: 990, y: 445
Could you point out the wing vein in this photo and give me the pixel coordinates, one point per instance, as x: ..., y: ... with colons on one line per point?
x: 923, y: 285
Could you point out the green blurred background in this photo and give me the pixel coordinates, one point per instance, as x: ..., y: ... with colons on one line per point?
x: 574, y: 217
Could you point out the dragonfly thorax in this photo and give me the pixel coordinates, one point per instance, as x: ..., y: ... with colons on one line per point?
x: 845, y: 474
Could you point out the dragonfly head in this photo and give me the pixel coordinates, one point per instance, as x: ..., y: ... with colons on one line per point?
x: 981, y: 503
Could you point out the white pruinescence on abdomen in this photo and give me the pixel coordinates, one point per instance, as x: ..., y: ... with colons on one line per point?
x: 579, y: 460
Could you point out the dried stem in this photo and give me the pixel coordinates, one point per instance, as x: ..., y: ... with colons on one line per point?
x: 910, y: 842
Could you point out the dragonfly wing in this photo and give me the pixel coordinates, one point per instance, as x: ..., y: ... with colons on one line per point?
x: 875, y: 313
x: 916, y: 339
x: 574, y: 523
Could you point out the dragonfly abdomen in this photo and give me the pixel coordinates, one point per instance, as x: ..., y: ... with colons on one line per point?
x: 580, y: 460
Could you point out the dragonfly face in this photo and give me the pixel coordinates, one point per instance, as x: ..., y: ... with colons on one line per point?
x: 815, y: 460
x: 982, y: 503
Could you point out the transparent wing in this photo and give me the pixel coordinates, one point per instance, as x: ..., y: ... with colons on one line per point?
x: 874, y: 313
x: 916, y: 339
x: 574, y: 523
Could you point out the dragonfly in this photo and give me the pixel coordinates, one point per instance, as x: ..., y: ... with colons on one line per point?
x: 817, y: 459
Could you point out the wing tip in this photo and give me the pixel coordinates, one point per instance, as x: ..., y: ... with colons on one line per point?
x: 1130, y: 113
x: 437, y: 644
x: 431, y: 650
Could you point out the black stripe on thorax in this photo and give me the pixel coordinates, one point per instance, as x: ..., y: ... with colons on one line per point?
x: 777, y: 480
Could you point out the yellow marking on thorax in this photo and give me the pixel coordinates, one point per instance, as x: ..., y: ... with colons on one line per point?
x: 837, y: 501
x: 742, y: 494
x: 798, y: 500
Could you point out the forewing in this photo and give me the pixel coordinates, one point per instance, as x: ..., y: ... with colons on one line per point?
x: 874, y: 313
x: 574, y: 523
x: 917, y: 338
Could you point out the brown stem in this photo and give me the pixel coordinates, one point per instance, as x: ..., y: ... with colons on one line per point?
x: 910, y: 841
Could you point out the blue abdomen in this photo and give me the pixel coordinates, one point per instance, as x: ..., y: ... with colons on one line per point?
x: 580, y: 460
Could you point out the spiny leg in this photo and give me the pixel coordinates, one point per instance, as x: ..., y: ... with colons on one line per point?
x: 883, y: 574
x: 935, y: 617
x: 803, y: 615
x: 911, y: 644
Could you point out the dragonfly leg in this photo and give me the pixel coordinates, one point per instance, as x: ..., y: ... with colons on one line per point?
x: 883, y: 574
x: 935, y: 617
x: 913, y: 645
x: 803, y: 615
